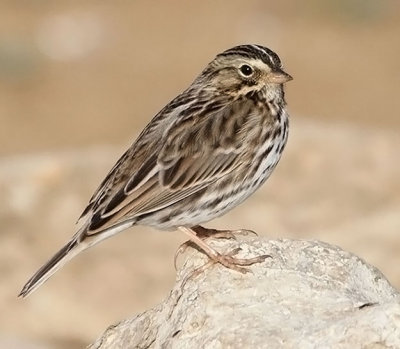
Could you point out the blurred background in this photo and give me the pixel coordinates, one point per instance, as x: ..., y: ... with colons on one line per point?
x: 80, y: 79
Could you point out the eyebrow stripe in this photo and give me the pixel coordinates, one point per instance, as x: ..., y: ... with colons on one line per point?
x: 254, y: 51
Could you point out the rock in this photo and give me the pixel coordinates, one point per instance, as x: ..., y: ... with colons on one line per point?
x: 307, y: 295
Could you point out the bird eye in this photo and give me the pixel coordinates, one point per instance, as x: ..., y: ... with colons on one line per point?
x: 246, y: 70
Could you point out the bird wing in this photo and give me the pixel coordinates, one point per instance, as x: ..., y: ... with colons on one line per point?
x: 195, y: 151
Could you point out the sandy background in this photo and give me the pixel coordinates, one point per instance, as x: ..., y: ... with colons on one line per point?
x: 78, y: 81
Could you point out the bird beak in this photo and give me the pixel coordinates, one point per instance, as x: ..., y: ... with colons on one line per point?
x: 278, y: 76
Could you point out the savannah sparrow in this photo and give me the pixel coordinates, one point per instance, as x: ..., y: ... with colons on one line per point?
x: 203, y: 154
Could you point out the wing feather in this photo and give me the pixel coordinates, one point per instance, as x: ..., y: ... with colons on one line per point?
x: 192, y: 154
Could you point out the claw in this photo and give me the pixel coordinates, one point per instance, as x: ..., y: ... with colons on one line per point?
x: 181, y: 249
x: 244, y: 232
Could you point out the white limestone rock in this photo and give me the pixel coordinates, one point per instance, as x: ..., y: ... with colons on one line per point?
x: 307, y: 295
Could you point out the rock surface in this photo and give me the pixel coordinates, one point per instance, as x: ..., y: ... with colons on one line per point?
x: 307, y: 295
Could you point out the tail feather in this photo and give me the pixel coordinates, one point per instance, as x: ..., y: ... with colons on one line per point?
x: 69, y: 251
x: 80, y: 242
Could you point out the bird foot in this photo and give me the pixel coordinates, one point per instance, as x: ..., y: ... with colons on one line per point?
x: 229, y: 261
x: 206, y: 234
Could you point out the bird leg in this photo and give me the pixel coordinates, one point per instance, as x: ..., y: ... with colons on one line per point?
x: 204, y: 234
x: 207, y: 233
x: 228, y: 260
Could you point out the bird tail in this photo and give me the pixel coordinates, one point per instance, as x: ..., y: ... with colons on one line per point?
x: 80, y: 242
x: 69, y: 251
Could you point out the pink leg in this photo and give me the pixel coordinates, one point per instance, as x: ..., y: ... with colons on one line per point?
x: 226, y: 260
